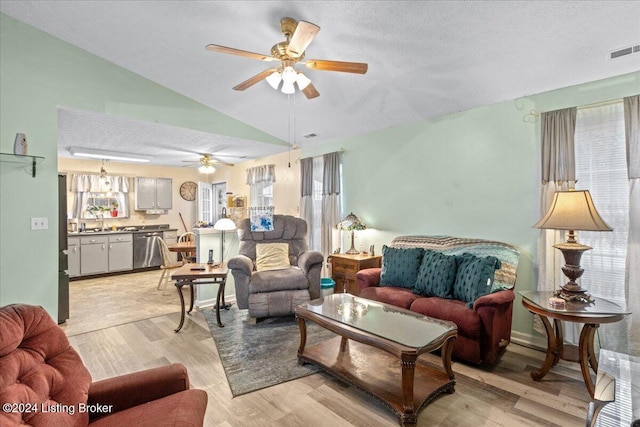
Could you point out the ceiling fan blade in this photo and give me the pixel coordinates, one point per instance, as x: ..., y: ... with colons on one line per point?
x: 255, y: 79
x: 219, y: 162
x: 310, y: 91
x: 302, y: 36
x: 345, y: 67
x: 238, y: 52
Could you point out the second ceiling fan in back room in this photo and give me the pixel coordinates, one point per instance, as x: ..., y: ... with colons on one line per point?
x: 289, y: 53
x: 206, y: 163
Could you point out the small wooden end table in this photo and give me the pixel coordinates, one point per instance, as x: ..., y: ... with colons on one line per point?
x: 592, y: 315
x: 375, y: 341
x: 200, y: 274
x: 344, y: 268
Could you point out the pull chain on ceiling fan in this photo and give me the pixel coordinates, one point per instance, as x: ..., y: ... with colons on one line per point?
x: 298, y: 36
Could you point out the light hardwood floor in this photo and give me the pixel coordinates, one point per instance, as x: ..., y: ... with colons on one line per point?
x: 143, y: 337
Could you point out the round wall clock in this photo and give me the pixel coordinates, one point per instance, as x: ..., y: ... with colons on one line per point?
x: 188, y: 190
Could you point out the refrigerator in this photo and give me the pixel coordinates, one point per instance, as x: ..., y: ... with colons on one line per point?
x: 63, y: 263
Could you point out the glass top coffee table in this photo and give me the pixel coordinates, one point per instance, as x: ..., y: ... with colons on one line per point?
x: 375, y: 343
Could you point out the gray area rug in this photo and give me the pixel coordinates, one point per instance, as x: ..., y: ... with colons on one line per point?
x: 260, y: 355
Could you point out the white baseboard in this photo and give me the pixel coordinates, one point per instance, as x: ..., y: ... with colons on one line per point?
x: 528, y: 340
x: 211, y: 302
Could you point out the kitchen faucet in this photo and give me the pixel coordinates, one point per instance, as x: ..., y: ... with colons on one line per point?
x: 101, y: 220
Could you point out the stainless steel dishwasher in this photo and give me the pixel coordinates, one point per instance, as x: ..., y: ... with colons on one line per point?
x: 146, y: 249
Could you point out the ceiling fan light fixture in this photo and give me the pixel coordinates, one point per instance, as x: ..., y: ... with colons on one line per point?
x: 303, y: 81
x: 206, y: 169
x: 274, y: 79
x: 289, y: 75
x: 288, y: 88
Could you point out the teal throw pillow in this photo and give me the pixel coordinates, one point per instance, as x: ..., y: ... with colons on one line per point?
x: 474, y: 277
x: 436, y: 275
x: 400, y: 266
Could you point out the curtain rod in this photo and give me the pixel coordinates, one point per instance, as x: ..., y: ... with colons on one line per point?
x: 95, y: 173
x: 532, y: 116
x: 342, y: 150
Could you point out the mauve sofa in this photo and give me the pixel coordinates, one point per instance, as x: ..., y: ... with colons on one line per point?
x: 43, y: 382
x: 484, y: 325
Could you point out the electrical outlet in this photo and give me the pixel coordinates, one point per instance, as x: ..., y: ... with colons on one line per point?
x: 39, y: 223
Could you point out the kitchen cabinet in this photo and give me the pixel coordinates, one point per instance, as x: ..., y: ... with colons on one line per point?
x: 153, y: 193
x: 120, y: 252
x: 73, y: 256
x: 94, y: 256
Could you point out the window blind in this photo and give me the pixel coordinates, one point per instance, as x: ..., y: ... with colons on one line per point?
x: 601, y: 168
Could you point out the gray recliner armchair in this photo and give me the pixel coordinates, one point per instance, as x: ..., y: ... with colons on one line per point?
x: 275, y: 292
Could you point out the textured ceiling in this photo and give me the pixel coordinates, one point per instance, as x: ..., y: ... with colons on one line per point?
x: 426, y: 59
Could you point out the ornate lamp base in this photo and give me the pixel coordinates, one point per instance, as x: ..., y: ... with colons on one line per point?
x: 572, y: 291
x: 352, y: 250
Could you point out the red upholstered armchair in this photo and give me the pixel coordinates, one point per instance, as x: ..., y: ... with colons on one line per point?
x: 43, y: 382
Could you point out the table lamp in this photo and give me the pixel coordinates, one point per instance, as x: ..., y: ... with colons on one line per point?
x: 572, y: 210
x: 351, y: 223
x: 224, y: 224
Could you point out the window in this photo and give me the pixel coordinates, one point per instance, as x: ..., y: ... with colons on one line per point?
x: 601, y: 168
x: 260, y: 180
x: 261, y: 194
x: 205, y: 213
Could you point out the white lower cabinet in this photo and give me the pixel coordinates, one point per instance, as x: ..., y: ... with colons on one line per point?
x: 73, y: 256
x: 100, y: 254
x: 120, y: 252
x: 94, y: 256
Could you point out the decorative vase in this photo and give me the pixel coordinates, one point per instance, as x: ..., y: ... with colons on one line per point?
x: 114, y: 213
x: 20, y: 144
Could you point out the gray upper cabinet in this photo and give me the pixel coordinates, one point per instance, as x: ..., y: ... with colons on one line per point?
x: 153, y: 193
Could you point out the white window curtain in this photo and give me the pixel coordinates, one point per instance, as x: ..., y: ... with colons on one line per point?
x: 330, y: 202
x: 558, y: 173
x: 260, y: 180
x: 632, y: 277
x: 601, y: 169
x: 320, y: 201
x: 84, y: 186
x: 306, y: 199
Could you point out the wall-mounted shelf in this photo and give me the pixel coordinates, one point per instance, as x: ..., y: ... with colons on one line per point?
x: 23, y: 160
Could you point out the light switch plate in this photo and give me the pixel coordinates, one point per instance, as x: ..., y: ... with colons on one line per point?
x: 39, y: 223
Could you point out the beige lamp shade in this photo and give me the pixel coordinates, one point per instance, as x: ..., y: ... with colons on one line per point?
x: 573, y: 210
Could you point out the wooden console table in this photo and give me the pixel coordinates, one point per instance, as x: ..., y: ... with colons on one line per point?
x: 344, y: 268
x: 592, y: 315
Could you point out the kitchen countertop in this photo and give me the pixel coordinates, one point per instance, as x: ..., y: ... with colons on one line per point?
x: 122, y: 230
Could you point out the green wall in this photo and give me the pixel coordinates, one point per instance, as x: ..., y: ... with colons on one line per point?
x: 471, y: 174
x: 38, y: 73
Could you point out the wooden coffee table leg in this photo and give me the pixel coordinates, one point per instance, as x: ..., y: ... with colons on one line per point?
x: 445, y: 353
x: 303, y: 338
x: 409, y: 417
x: 552, y: 351
x: 343, y: 344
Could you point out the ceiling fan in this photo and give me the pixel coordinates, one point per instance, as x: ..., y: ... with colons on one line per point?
x: 288, y: 53
x: 206, y: 163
